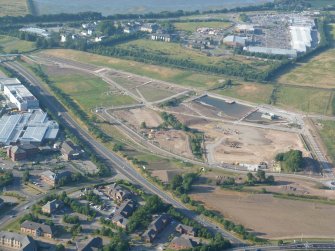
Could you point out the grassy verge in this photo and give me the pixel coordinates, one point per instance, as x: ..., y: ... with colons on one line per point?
x: 192, y: 26
x: 328, y: 135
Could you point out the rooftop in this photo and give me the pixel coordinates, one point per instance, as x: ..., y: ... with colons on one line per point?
x: 33, y: 225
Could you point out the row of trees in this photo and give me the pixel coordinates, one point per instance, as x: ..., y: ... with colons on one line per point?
x: 228, y: 68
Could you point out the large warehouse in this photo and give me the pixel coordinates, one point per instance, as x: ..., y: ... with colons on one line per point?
x: 31, y: 127
x: 18, y: 94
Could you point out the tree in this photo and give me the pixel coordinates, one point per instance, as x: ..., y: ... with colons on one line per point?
x: 290, y: 161
x: 176, y: 182
x: 261, y: 175
x: 143, y: 125
x: 26, y: 176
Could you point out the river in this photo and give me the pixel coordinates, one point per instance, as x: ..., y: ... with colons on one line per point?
x: 108, y: 7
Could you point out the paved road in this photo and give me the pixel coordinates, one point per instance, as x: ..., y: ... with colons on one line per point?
x: 298, y: 246
x: 112, y: 159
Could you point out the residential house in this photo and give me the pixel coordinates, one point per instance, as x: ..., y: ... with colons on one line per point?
x: 120, y: 221
x: 70, y: 151
x: 184, y: 229
x: 92, y: 244
x: 149, y: 27
x: 36, y: 229
x: 14, y: 241
x: 51, y: 207
x: 125, y: 210
x: 182, y: 242
x: 118, y: 193
x: 52, y: 178
x: 156, y: 227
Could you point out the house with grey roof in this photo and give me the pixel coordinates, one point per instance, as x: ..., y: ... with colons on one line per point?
x: 156, y: 227
x: 182, y: 242
x: 51, y: 206
x: 184, y: 229
x: 70, y: 151
x: 53, y: 178
x: 37, y: 229
x: 14, y: 241
x: 118, y: 193
x: 92, y: 244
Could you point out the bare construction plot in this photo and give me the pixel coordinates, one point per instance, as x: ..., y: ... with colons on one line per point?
x: 242, y: 144
x: 270, y: 217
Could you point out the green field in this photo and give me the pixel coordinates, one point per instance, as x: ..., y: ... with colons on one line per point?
x: 176, y: 51
x: 88, y: 91
x: 256, y: 93
x: 317, y: 72
x: 320, y: 3
x: 13, y: 8
x: 182, y: 77
x: 192, y: 26
x: 13, y: 44
x: 328, y: 136
x: 309, y: 100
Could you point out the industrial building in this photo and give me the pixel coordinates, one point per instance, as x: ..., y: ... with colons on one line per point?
x: 234, y: 41
x: 301, y: 37
x: 272, y: 51
x: 18, y: 94
x: 30, y: 127
x: 36, y: 31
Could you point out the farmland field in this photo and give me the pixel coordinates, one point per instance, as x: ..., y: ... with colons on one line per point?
x: 13, y: 44
x: 279, y: 218
x: 13, y: 8
x: 192, y: 26
x: 88, y: 91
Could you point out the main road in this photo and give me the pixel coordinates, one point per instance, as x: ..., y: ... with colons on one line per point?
x: 119, y: 164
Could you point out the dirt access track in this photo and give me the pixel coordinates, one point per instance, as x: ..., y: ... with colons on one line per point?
x: 270, y: 217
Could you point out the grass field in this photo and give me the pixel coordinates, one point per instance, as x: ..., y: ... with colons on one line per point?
x: 13, y: 44
x: 328, y: 136
x: 13, y: 8
x: 317, y: 72
x: 182, y: 77
x: 192, y: 26
x: 88, y: 91
x: 305, y: 99
x: 176, y: 51
x: 257, y: 93
x: 320, y: 3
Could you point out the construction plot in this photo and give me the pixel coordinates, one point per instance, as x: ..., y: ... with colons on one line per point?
x: 267, y: 216
x: 246, y: 145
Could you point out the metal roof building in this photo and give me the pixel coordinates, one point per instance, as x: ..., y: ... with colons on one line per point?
x: 30, y: 127
x: 271, y: 51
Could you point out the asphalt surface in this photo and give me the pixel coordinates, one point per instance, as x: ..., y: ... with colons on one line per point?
x: 112, y: 159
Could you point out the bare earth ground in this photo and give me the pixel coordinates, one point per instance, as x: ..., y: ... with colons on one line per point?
x: 270, y: 217
x: 299, y: 187
x: 247, y: 145
x: 174, y: 141
x: 136, y: 116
